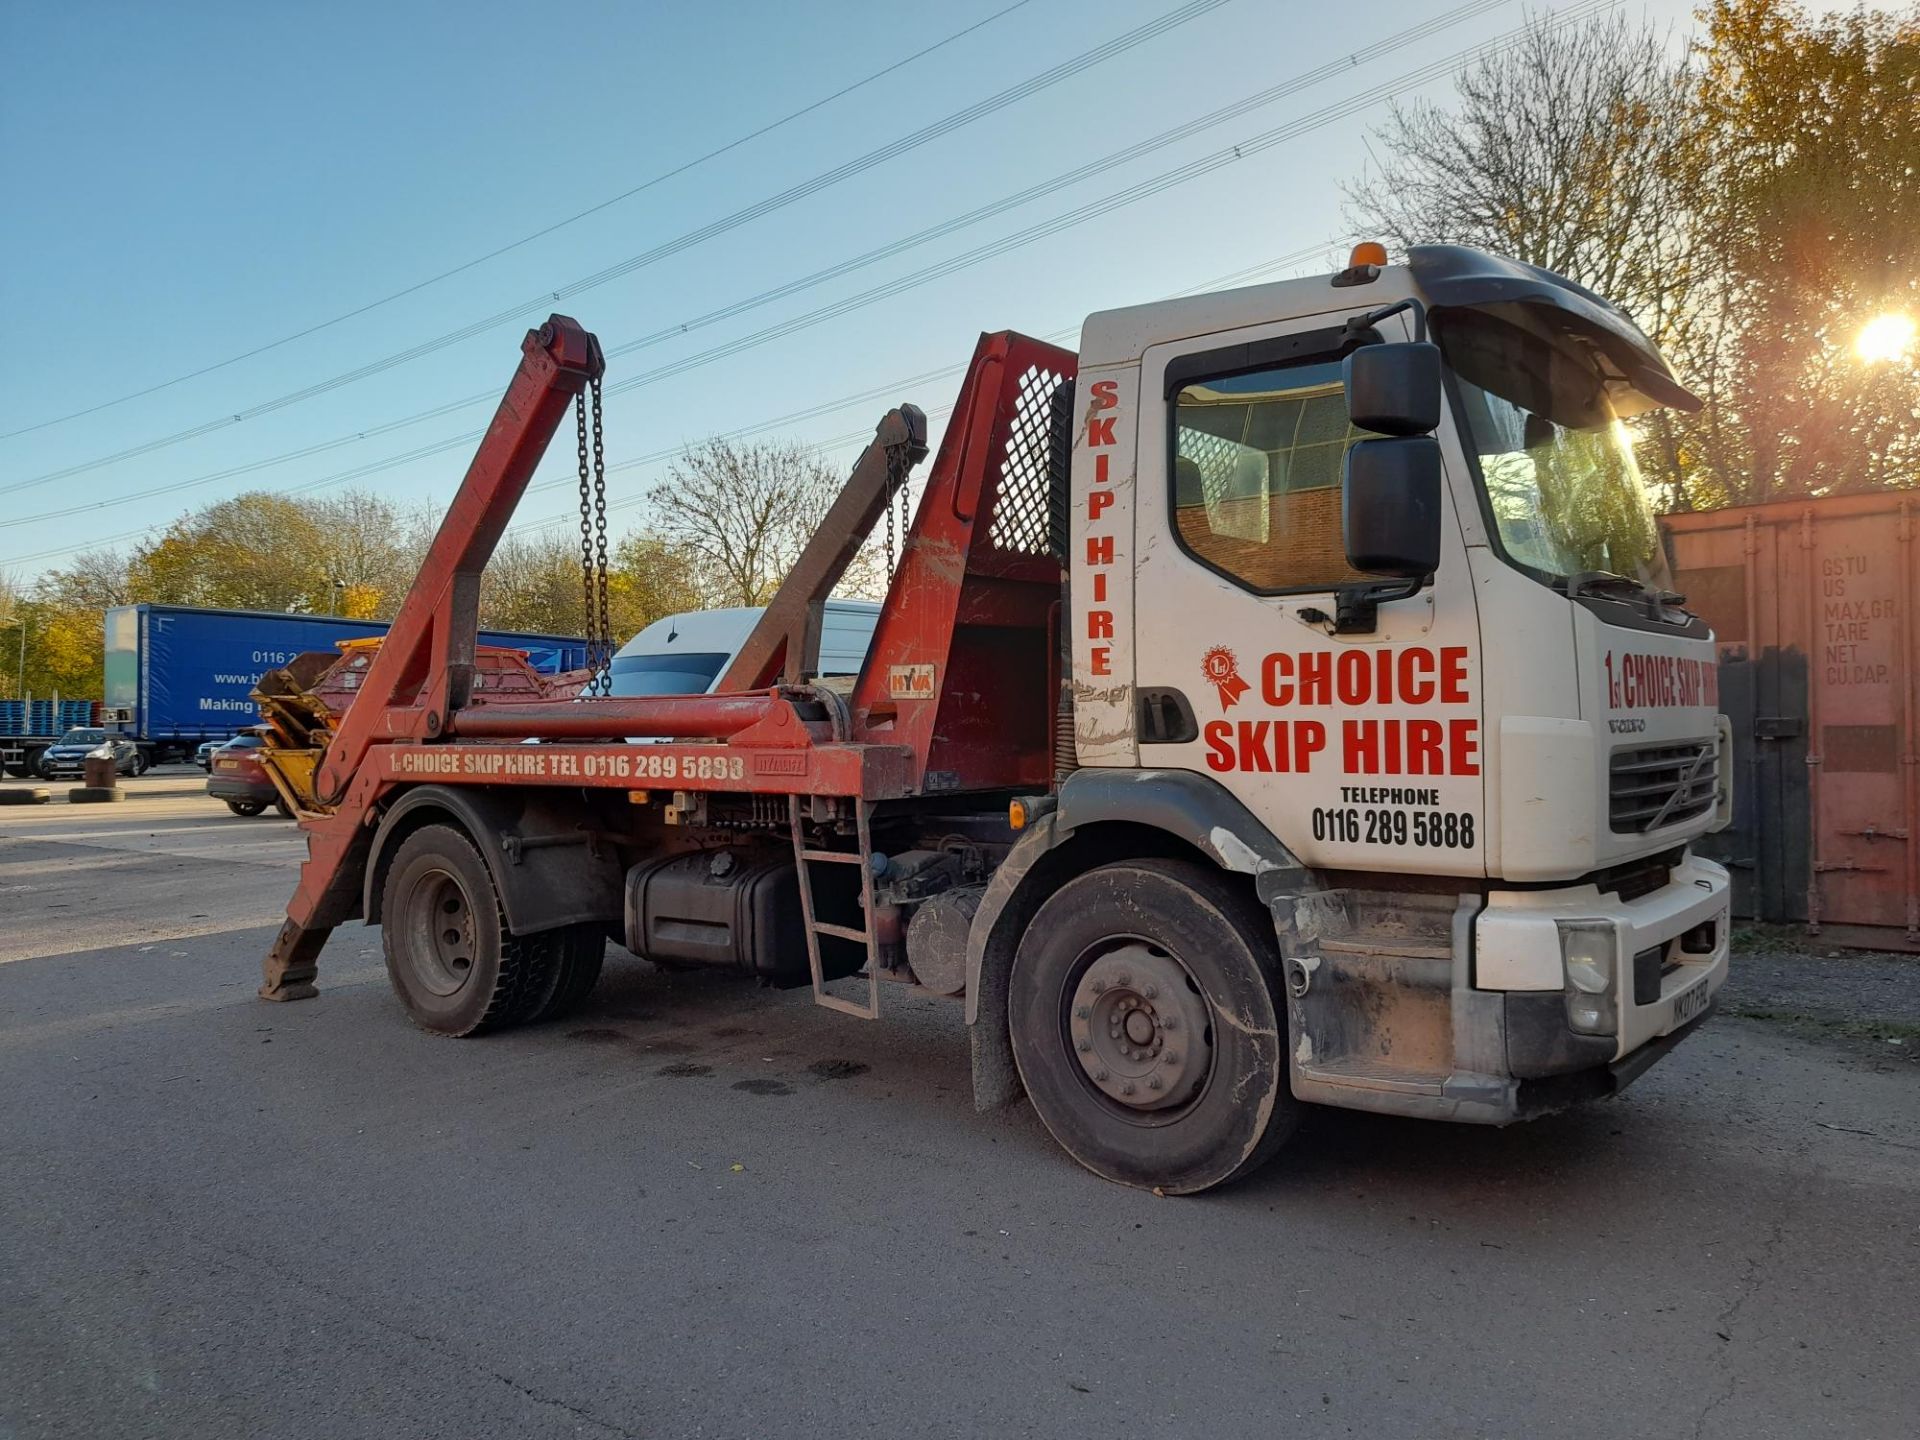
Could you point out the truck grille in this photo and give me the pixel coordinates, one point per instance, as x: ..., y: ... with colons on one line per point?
x: 1658, y: 785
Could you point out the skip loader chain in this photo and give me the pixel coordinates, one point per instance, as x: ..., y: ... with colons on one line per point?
x: 1244, y: 728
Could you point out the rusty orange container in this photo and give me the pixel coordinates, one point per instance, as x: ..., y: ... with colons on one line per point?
x: 1812, y: 604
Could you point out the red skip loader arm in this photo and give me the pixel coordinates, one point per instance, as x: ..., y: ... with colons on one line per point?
x: 431, y: 641
x: 957, y: 692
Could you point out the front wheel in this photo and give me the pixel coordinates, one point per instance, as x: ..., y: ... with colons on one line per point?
x: 246, y: 809
x: 1148, y: 1026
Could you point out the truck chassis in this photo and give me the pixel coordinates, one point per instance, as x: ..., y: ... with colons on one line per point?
x: 1116, y: 935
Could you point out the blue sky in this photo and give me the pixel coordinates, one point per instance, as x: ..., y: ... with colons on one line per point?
x: 187, y: 182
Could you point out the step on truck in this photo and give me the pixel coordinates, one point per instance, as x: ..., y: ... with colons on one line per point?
x: 1279, y: 702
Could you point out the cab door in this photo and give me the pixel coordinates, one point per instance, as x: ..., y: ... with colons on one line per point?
x: 1360, y: 747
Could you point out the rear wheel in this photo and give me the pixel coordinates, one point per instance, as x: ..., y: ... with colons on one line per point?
x: 1148, y: 1026
x: 578, y: 951
x: 246, y: 809
x: 450, y: 957
x: 286, y: 810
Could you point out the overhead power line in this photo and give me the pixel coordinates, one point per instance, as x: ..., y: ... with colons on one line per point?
x: 1235, y: 110
x: 528, y: 239
x: 891, y: 389
x: 1154, y: 185
x: 1192, y: 9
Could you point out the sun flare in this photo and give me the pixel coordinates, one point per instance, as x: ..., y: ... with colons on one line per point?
x: 1886, y: 337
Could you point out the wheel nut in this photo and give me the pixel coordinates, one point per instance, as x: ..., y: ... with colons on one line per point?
x: 1085, y: 1046
x: 1153, y: 1082
x: 1126, y: 1087
x: 1169, y: 1022
x: 1172, y: 1057
x: 1099, y: 987
x: 1100, y: 1074
x: 1151, y: 992
x: 1125, y: 977
x: 1082, y: 1012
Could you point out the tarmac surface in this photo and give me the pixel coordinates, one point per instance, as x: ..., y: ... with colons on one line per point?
x: 702, y: 1209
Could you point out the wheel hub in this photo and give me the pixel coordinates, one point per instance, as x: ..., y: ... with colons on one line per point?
x: 1138, y: 1028
x: 443, y: 920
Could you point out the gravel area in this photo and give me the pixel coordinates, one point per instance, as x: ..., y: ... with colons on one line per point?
x: 1866, y: 1001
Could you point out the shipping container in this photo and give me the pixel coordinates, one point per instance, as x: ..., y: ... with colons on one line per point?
x: 177, y: 675
x: 1812, y: 605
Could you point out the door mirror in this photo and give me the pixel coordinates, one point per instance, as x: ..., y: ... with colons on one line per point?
x: 1394, y: 389
x: 1390, y: 506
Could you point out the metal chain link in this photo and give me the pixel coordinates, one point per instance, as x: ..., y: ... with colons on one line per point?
x: 596, y: 618
x: 898, y: 467
x: 890, y: 562
x: 604, y: 630
x: 586, y: 541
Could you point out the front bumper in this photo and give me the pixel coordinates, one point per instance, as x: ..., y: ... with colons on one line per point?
x: 1662, y: 979
x: 1483, y: 1037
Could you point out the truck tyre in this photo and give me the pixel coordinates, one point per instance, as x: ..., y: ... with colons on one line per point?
x: 450, y: 957
x: 1148, y: 1025
x: 579, y: 951
x: 246, y: 809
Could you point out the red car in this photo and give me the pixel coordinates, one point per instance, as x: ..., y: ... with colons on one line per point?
x: 237, y: 777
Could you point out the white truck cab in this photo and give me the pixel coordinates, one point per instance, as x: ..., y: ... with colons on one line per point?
x: 1380, y: 563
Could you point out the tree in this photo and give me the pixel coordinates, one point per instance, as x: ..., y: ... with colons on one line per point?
x: 13, y: 616
x: 1575, y: 151
x: 61, y: 613
x: 745, y: 512
x: 1752, y: 204
x: 533, y: 583
x: 1811, y: 137
x: 370, y: 553
x: 648, y: 579
x: 257, y: 551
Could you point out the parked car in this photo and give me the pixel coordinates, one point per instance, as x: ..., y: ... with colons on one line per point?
x: 237, y: 777
x: 203, y: 757
x: 68, y: 755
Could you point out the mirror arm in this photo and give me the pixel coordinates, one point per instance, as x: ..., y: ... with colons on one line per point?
x: 1356, y: 607
x: 1357, y: 326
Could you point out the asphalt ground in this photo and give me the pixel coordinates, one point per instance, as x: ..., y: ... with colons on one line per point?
x: 703, y: 1209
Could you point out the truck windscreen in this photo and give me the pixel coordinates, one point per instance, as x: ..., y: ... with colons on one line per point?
x: 1561, y: 481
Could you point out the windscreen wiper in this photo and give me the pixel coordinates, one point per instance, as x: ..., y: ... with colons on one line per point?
x: 1606, y: 582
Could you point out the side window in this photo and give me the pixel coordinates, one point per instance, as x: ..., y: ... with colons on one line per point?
x: 1256, y: 475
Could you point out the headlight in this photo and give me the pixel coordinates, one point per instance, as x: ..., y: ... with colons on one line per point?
x: 1589, y: 951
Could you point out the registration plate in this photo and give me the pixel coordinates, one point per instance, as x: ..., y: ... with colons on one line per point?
x: 1688, y: 1004
x: 226, y: 764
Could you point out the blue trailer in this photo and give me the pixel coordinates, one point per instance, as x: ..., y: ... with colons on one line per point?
x: 177, y: 675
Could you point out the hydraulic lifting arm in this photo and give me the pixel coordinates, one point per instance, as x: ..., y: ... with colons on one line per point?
x: 430, y: 644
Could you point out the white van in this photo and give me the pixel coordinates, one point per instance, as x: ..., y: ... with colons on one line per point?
x: 685, y: 654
